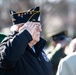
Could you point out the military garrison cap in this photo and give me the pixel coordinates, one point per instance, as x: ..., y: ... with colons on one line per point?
x: 60, y: 36
x: 24, y: 16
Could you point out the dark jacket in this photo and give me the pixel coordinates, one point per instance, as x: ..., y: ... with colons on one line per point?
x: 17, y: 58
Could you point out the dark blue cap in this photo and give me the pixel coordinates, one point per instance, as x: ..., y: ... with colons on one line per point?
x: 24, y: 16
x: 60, y: 36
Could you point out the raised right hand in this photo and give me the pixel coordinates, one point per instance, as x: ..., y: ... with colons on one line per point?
x: 29, y: 26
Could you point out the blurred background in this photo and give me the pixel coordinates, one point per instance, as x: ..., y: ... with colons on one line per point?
x: 56, y: 15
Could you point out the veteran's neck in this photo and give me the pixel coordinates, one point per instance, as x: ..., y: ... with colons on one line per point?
x: 32, y: 43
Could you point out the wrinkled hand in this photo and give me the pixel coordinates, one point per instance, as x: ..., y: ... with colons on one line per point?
x: 29, y: 26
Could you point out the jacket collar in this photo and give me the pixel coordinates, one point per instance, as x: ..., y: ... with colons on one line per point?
x: 40, y: 45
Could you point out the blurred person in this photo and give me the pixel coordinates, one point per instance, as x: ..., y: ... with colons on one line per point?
x: 67, y: 65
x: 22, y: 53
x: 59, y: 42
x: 72, y: 46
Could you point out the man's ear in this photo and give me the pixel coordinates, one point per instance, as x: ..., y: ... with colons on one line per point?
x: 12, y: 12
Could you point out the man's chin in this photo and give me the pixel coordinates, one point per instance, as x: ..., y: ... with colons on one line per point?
x: 37, y: 40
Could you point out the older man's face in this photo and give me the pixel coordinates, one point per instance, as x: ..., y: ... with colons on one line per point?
x: 38, y: 29
x: 36, y: 34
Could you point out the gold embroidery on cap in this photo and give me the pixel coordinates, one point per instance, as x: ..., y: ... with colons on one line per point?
x: 25, y: 12
x: 19, y: 15
x: 33, y: 15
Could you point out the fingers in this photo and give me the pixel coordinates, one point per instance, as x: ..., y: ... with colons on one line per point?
x: 25, y: 26
x: 30, y: 27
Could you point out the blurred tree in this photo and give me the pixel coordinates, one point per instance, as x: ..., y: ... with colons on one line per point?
x: 49, y: 9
